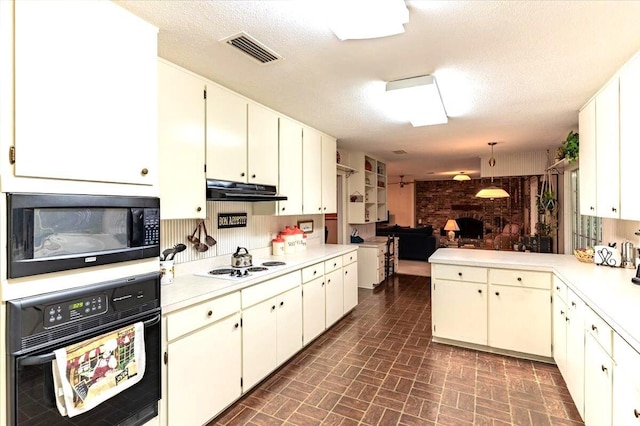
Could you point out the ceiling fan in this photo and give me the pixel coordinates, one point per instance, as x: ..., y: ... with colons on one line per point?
x: 402, y: 183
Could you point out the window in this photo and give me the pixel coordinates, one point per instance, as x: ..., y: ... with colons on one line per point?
x: 586, y: 231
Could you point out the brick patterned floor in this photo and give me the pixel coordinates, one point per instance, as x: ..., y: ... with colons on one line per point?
x: 378, y: 366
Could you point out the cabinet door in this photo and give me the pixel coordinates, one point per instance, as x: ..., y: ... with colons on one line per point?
x: 290, y: 181
x: 335, y: 296
x: 626, y: 384
x: 259, y: 342
x: 597, y: 384
x: 560, y: 334
x: 262, y: 145
x: 460, y: 311
x: 575, y: 350
x: 608, y: 151
x: 329, y: 172
x: 629, y: 136
x: 311, y: 171
x: 203, y: 373
x: 85, y: 93
x: 520, y: 319
x: 587, y: 127
x: 313, y: 309
x: 226, y: 135
x: 350, y: 283
x: 181, y: 138
x: 289, y: 333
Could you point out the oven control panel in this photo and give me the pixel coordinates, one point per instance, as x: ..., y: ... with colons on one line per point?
x: 73, y: 310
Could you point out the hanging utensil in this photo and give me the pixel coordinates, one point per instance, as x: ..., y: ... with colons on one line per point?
x: 208, y: 238
x: 177, y: 249
x: 192, y: 238
x: 200, y: 246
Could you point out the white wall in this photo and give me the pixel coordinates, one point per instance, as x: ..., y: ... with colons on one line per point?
x: 401, y: 203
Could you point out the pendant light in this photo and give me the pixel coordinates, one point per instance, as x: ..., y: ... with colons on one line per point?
x: 492, y: 191
x: 461, y: 176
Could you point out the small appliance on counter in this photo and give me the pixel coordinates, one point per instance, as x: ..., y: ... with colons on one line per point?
x: 628, y: 255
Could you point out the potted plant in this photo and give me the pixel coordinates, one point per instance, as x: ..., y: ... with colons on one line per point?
x: 570, y: 148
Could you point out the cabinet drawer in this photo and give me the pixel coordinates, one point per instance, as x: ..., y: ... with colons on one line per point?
x: 460, y: 273
x: 350, y: 257
x: 312, y: 272
x: 271, y: 288
x: 515, y: 278
x: 332, y: 264
x: 560, y: 288
x: 205, y: 313
x: 600, y: 330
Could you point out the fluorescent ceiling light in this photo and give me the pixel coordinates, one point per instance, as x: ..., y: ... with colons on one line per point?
x: 461, y: 176
x: 362, y: 19
x: 418, y: 99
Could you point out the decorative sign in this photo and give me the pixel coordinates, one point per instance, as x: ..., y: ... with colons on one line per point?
x: 232, y: 220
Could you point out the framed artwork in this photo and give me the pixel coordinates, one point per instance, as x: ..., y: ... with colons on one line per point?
x: 306, y: 226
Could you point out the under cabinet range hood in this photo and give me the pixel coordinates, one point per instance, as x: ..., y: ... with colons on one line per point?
x: 222, y: 190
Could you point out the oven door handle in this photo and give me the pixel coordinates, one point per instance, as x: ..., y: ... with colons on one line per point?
x: 48, y: 357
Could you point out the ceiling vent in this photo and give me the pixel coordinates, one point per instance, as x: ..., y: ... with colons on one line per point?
x: 247, y: 44
x: 400, y: 152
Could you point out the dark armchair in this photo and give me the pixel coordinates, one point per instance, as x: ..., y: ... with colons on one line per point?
x: 413, y: 243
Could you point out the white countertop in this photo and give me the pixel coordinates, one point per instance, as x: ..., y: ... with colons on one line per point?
x: 188, y: 289
x: 372, y: 242
x: 608, y: 291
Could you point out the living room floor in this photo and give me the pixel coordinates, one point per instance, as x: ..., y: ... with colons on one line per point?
x: 378, y: 366
x: 414, y: 267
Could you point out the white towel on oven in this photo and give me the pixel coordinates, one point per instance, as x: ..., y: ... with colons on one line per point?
x: 88, y: 373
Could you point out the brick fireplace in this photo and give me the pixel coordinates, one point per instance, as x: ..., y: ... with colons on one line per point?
x: 437, y: 201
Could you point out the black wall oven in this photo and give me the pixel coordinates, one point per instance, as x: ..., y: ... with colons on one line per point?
x: 39, y: 325
x: 58, y: 232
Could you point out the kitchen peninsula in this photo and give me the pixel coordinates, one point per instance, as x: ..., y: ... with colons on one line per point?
x: 590, y: 328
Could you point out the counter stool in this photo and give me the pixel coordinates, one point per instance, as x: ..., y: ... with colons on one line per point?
x: 389, y: 257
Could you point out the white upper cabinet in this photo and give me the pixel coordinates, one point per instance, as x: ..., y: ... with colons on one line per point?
x: 608, y: 151
x: 587, y: 129
x: 85, y: 94
x: 262, y: 145
x: 629, y: 139
x: 329, y: 173
x: 181, y: 135
x: 290, y: 181
x: 242, y: 139
x: 311, y: 171
x: 226, y: 135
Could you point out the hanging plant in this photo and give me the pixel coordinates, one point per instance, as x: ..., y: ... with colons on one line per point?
x: 546, y: 201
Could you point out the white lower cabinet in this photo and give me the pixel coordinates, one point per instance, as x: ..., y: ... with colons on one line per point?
x: 259, y: 350
x: 626, y: 384
x: 598, y: 384
x: 460, y: 311
x: 560, y: 327
x: 574, y: 376
x: 350, y: 286
x: 520, y: 319
x: 313, y: 309
x: 505, y: 309
x: 371, y: 265
x: 271, y: 328
x: 598, y: 370
x: 334, y: 288
x: 207, y: 337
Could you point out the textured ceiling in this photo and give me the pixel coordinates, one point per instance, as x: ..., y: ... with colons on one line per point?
x: 515, y: 72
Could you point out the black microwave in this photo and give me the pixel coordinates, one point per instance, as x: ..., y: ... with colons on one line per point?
x: 58, y: 232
